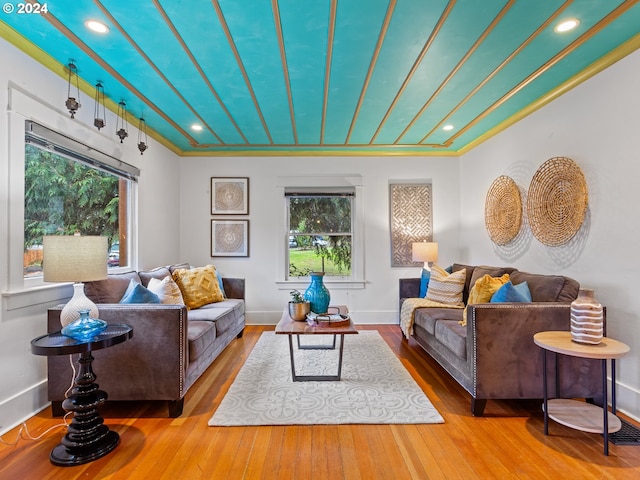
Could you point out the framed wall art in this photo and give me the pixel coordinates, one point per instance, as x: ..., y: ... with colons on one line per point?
x: 229, y: 196
x: 229, y: 238
x: 410, y: 220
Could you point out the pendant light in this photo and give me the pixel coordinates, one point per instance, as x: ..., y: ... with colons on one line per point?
x: 121, y: 121
x: 72, y: 103
x: 142, y: 135
x: 98, y: 120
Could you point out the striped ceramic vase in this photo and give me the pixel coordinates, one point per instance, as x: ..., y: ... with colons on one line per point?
x: 586, y: 318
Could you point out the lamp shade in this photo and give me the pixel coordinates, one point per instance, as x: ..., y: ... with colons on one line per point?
x: 74, y: 258
x: 424, y: 252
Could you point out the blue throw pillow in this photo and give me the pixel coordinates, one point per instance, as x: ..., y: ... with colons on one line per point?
x: 137, y: 293
x: 425, y: 277
x: 424, y: 282
x: 219, y: 277
x: 512, y: 293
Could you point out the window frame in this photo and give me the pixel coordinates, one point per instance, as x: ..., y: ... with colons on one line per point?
x: 320, y: 183
x: 22, y: 108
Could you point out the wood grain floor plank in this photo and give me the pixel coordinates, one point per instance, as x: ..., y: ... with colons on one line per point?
x: 508, y: 442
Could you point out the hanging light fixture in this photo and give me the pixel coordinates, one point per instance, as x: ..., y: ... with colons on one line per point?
x: 99, y: 121
x: 142, y: 134
x: 121, y: 121
x: 73, y: 103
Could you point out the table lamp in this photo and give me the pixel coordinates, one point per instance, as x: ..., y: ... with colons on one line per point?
x: 426, y: 252
x: 75, y: 258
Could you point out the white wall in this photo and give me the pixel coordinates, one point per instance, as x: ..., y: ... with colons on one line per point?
x: 23, y: 314
x: 378, y: 301
x: 597, y: 124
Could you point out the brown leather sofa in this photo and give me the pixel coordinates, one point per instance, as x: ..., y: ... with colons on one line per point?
x: 170, y: 348
x: 494, y: 356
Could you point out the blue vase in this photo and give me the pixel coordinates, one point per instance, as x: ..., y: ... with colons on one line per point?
x: 317, y: 294
x: 84, y: 328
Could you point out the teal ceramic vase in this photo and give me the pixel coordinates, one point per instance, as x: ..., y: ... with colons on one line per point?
x: 317, y: 294
x: 84, y: 328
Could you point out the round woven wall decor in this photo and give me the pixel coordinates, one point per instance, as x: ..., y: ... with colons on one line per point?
x: 503, y: 210
x: 557, y: 201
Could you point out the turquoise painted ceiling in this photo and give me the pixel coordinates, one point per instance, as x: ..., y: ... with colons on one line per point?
x: 324, y: 77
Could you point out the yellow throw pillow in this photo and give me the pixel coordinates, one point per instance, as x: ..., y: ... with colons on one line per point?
x: 199, y: 286
x: 167, y: 290
x: 483, y: 290
x: 446, y: 288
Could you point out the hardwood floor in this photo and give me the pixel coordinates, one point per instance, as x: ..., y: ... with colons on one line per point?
x: 508, y: 442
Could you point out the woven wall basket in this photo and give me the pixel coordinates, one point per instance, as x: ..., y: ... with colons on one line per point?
x: 557, y: 201
x: 503, y: 210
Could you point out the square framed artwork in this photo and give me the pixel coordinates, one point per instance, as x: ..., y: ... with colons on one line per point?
x: 229, y: 238
x: 229, y: 196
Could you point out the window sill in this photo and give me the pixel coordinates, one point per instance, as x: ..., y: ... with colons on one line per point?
x: 43, y: 294
x: 330, y: 284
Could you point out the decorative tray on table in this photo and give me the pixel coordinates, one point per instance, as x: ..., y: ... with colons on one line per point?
x: 328, y: 319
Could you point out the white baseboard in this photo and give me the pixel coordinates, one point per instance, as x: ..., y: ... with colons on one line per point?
x: 22, y: 406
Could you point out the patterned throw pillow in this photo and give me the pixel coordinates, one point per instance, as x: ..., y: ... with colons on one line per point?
x: 446, y: 288
x: 199, y: 286
x: 483, y: 290
x: 167, y: 290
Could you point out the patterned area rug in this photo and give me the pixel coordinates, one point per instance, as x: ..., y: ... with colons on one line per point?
x: 375, y: 387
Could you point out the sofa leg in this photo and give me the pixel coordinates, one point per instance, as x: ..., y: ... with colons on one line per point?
x: 175, y: 407
x: 56, y: 408
x: 240, y: 334
x: 477, y: 406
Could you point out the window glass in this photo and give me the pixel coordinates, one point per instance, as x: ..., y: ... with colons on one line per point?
x: 65, y: 195
x: 320, y: 234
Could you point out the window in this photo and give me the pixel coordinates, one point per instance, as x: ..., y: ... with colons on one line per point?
x: 69, y: 188
x: 320, y: 231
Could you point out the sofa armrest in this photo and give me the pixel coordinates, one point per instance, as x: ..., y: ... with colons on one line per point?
x: 508, y: 364
x: 233, y: 287
x: 150, y: 365
x: 408, y: 288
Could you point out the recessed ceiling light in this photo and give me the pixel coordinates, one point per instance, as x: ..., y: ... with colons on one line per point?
x: 196, y: 127
x: 96, y: 26
x: 567, y: 25
x: 447, y: 128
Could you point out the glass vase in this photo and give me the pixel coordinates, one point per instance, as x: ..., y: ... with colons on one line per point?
x: 84, y: 328
x: 587, y: 320
x: 317, y: 294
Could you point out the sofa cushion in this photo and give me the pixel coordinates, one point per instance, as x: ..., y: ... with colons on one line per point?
x: 482, y: 270
x: 467, y: 281
x: 512, y: 293
x: 225, y: 314
x: 428, y: 317
x: 157, y: 273
x: 446, y: 288
x: 482, y: 291
x: 548, y: 288
x: 167, y: 290
x: 453, y: 336
x: 198, y: 286
x: 138, y: 293
x: 111, y: 289
x: 201, y: 336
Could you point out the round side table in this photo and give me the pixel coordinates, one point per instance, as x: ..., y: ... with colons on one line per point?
x: 87, y: 437
x: 571, y: 413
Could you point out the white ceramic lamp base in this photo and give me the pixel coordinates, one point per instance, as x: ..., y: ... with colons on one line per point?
x: 79, y: 301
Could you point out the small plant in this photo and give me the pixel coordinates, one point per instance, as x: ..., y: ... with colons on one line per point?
x: 296, y: 297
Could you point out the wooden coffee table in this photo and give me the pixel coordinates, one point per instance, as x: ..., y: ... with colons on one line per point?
x: 287, y: 326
